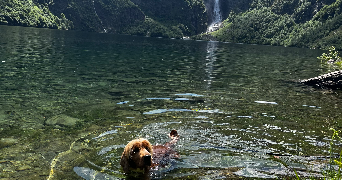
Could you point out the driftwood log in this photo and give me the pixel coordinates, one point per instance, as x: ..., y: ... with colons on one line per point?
x: 331, y: 80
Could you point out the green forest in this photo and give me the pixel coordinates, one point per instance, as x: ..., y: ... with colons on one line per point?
x: 298, y: 23
x: 306, y: 23
x: 162, y: 18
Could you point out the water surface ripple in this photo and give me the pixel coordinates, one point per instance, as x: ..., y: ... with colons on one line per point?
x: 70, y: 101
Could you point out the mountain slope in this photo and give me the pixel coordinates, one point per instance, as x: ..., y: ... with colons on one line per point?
x: 29, y: 13
x: 305, y: 23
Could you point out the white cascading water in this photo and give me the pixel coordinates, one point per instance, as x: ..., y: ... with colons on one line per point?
x: 104, y: 30
x: 216, y: 17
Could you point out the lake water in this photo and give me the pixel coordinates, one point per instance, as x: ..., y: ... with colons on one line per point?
x: 70, y: 101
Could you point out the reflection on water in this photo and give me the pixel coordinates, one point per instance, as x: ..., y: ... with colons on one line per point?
x: 210, y: 61
x: 237, y: 107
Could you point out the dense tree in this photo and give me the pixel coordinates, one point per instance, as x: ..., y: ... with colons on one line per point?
x: 149, y: 18
x: 305, y: 23
x: 29, y: 13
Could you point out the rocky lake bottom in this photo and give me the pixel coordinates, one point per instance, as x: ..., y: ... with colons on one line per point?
x: 70, y: 101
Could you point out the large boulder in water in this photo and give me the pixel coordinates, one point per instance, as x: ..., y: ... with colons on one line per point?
x: 331, y: 80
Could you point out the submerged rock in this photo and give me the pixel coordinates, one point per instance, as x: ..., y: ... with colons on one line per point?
x: 62, y: 166
x: 23, y: 168
x: 331, y: 80
x: 5, y: 142
x: 62, y: 120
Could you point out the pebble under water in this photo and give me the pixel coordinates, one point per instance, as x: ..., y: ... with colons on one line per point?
x: 70, y: 102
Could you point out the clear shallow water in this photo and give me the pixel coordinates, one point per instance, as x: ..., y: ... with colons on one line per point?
x: 237, y: 107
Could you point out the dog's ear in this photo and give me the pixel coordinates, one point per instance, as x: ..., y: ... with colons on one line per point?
x: 148, y: 146
x: 125, y: 159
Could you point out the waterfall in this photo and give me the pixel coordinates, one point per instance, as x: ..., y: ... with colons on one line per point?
x: 104, y: 29
x: 217, y: 12
x: 216, y: 17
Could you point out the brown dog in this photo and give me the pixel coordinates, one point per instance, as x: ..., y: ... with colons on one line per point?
x: 140, y: 156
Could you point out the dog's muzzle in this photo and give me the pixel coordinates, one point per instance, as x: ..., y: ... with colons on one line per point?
x: 148, y: 160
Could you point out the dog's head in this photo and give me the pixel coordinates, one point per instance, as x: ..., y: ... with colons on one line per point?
x: 137, y: 155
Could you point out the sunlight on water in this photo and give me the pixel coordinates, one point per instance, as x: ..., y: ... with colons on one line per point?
x: 201, y: 146
x: 71, y: 101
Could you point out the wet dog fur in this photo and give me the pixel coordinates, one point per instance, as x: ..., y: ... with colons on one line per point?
x: 140, y: 156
